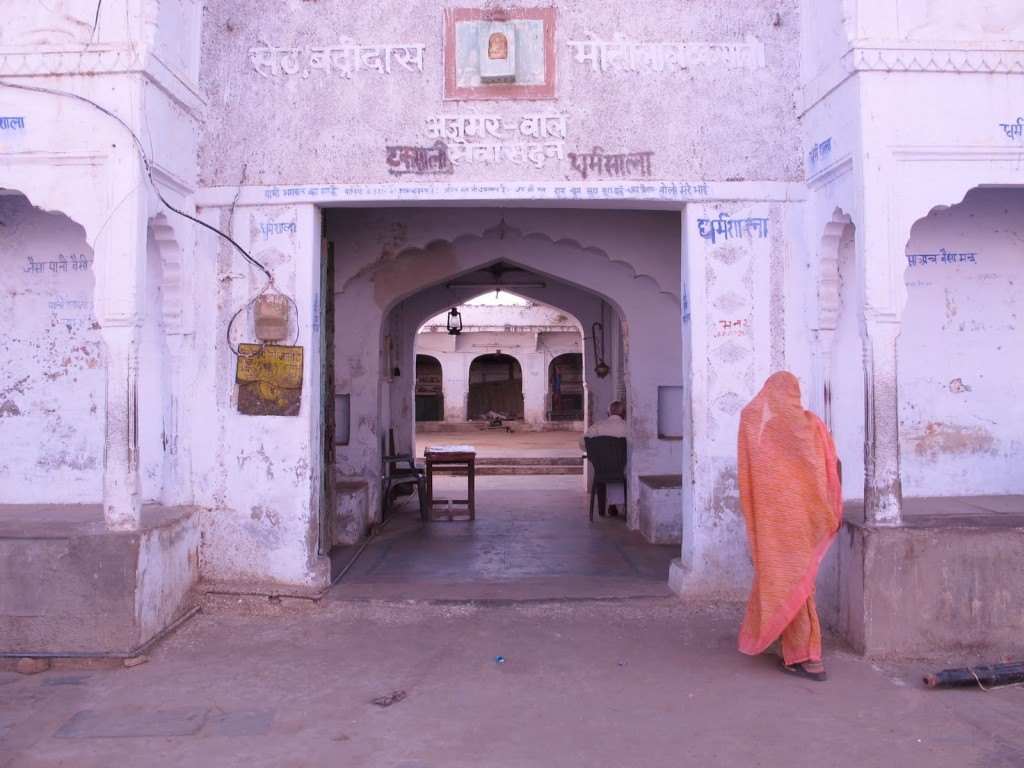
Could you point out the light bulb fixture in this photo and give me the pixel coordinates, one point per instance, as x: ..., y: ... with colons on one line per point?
x: 601, y: 369
x: 454, y: 322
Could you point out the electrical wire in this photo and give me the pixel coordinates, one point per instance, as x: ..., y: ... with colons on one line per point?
x: 95, y: 22
x: 147, y: 163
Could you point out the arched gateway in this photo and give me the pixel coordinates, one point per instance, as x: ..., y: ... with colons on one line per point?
x: 594, y: 279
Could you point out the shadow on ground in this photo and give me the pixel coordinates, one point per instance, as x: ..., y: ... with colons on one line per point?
x: 531, y: 539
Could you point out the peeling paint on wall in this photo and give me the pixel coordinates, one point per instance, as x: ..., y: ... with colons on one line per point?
x: 725, y: 495
x: 956, y: 386
x: 937, y: 438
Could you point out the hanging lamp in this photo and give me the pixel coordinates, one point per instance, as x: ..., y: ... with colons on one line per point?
x: 454, y: 322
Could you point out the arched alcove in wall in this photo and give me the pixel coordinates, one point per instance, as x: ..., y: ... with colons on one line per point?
x: 838, y: 349
x: 164, y: 341
x: 960, y: 370
x: 52, y: 360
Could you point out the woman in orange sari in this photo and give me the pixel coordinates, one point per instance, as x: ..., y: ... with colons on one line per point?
x: 792, y: 501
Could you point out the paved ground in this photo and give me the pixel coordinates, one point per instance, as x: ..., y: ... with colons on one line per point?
x: 531, y: 539
x: 601, y: 667
x: 632, y: 682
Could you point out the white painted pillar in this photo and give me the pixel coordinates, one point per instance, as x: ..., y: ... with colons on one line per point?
x: 120, y: 264
x: 121, y: 499
x: 453, y: 385
x: 883, y: 496
x: 880, y: 245
x: 535, y: 387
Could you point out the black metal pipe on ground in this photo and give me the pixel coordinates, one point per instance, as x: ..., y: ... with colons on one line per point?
x: 993, y: 675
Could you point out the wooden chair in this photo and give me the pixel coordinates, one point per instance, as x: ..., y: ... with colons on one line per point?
x: 400, y: 469
x: 607, y: 455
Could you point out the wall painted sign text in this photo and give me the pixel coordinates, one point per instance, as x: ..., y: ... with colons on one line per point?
x: 727, y: 227
x: 346, y: 59
x: 623, y: 54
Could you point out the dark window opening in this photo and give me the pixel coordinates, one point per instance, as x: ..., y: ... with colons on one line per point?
x: 495, y: 386
x: 429, y: 390
x: 565, y: 388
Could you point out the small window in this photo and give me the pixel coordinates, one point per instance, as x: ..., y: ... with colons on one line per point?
x: 342, y: 419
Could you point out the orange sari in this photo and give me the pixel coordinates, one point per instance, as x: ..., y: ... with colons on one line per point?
x: 792, y: 502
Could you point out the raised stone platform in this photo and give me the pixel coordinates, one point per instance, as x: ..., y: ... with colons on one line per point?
x: 661, y: 501
x: 70, y: 586
x: 950, y: 578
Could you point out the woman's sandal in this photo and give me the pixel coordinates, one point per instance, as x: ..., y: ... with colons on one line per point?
x: 800, y: 671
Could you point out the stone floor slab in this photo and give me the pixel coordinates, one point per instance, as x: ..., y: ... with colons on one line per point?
x: 99, y: 724
x: 248, y: 722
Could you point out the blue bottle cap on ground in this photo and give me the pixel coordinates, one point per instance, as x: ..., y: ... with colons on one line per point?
x: 500, y: 659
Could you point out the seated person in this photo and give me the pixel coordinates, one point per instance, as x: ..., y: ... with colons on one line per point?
x: 613, y: 426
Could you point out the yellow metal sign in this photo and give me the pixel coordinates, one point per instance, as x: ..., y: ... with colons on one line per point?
x: 269, y: 380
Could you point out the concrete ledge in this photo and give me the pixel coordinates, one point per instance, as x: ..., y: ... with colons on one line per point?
x: 69, y: 586
x: 937, y: 583
x: 660, y: 512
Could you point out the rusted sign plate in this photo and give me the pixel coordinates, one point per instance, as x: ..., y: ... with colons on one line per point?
x: 269, y: 381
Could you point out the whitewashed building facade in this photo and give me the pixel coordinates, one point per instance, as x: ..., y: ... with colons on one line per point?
x: 835, y: 188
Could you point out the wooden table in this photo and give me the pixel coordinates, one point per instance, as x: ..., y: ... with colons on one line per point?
x: 450, y: 458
